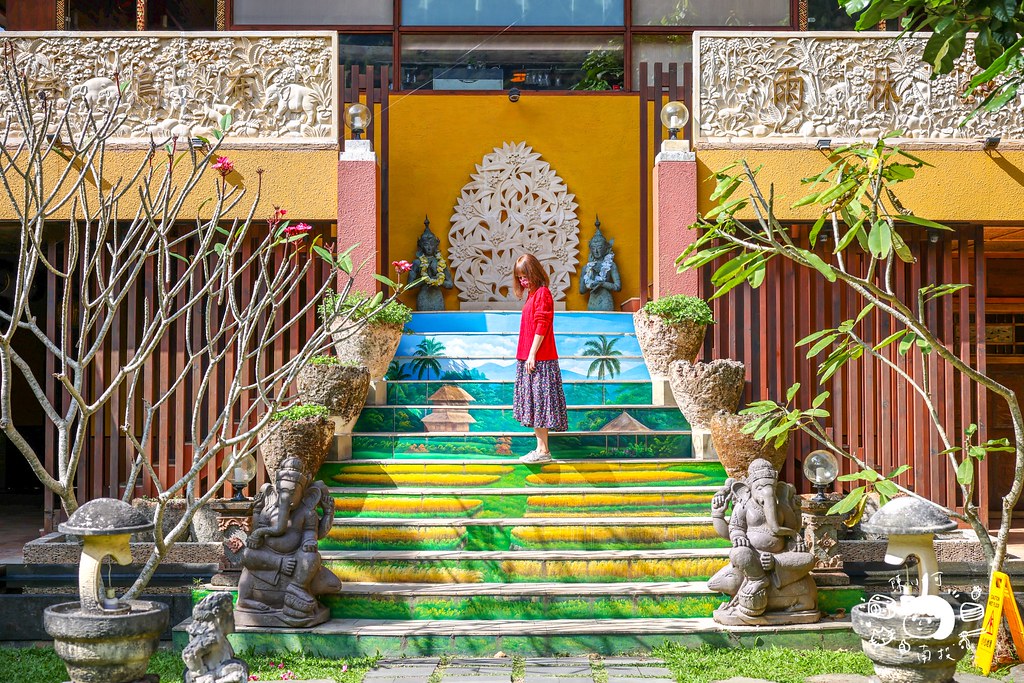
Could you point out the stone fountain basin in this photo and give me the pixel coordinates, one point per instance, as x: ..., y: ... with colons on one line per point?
x: 106, y: 648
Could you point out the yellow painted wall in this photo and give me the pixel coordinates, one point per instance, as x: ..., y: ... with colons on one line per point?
x: 303, y: 181
x: 591, y: 141
x: 960, y: 186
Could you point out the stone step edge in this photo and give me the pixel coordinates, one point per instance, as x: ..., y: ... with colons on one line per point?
x: 522, y: 521
x: 538, y: 627
x: 512, y: 381
x: 506, y: 406
x: 538, y: 555
x: 635, y: 588
x: 489, y: 333
x: 549, y: 490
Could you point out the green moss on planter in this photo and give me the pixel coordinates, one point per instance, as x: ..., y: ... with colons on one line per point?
x: 300, y: 412
x: 680, y: 308
x: 361, y: 305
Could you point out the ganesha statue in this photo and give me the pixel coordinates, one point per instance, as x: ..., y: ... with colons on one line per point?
x: 768, y: 576
x: 282, y: 571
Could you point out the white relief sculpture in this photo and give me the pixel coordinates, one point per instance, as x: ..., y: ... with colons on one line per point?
x: 514, y: 204
x: 172, y: 85
x: 791, y: 87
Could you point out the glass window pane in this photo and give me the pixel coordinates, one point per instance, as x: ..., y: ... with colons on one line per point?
x: 512, y: 12
x: 365, y: 49
x: 664, y: 49
x: 313, y: 12
x: 548, y: 62
x: 711, y: 13
x: 827, y: 15
x: 183, y: 15
x: 84, y: 15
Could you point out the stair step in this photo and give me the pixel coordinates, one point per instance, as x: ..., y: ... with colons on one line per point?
x: 507, y: 322
x: 509, y: 473
x: 488, y: 445
x: 524, y: 533
x: 525, y: 566
x: 487, y: 392
x: 503, y: 367
x: 508, y: 601
x: 499, y: 418
x: 579, y: 503
x: 471, y: 637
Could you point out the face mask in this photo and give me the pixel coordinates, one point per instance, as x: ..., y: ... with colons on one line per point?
x: 525, y: 282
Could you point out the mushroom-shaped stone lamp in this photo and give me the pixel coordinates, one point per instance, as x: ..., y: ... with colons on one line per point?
x: 105, y: 525
x: 911, y: 523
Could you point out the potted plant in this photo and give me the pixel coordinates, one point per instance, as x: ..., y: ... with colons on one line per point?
x: 340, y: 386
x: 299, y: 431
x: 670, y: 329
x: 365, y: 331
x: 703, y: 389
x: 737, y: 447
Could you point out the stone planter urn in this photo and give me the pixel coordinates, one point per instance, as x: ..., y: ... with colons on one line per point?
x: 308, y: 439
x: 174, y: 511
x: 102, y: 639
x: 915, y: 638
x: 737, y: 450
x: 663, y: 343
x: 371, y: 344
x: 703, y: 389
x: 340, y: 388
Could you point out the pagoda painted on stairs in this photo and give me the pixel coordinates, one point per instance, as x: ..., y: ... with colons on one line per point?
x: 445, y: 542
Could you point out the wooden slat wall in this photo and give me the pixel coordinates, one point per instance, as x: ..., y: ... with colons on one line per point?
x: 874, y: 415
x: 106, y: 459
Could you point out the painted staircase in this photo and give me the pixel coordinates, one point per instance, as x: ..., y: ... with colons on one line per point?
x: 445, y: 542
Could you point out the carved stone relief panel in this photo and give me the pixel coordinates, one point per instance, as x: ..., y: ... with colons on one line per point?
x: 781, y: 87
x: 514, y: 204
x: 272, y: 86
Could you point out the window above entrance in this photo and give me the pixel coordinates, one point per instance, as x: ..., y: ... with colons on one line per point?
x: 512, y: 12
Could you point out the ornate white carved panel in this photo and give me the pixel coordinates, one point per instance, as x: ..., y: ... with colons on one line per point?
x: 277, y: 86
x: 514, y: 204
x: 792, y: 87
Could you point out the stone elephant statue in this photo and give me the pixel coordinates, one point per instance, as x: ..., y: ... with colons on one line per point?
x: 95, y: 90
x: 293, y: 98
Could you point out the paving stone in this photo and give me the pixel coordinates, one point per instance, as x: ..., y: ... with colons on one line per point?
x: 623, y: 671
x: 656, y: 672
x: 631, y: 661
x: 971, y: 678
x: 553, y: 679
x: 404, y: 671
x: 576, y: 670
x: 623, y: 679
x: 837, y: 678
x: 476, y: 661
x: 478, y: 679
x: 743, y: 679
x: 1017, y: 674
x: 558, y: 661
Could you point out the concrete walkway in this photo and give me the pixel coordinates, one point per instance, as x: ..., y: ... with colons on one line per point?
x: 536, y: 670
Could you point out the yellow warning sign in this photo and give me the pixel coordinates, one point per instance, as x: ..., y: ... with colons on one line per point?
x: 1000, y: 599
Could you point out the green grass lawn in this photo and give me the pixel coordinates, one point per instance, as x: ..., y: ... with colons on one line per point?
x: 703, y: 665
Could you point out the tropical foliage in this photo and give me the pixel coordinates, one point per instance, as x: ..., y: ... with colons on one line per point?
x: 605, y: 364
x: 425, y: 358
x: 859, y: 212
x: 680, y: 308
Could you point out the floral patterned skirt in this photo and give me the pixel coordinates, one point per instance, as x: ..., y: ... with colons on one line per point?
x: 538, y: 400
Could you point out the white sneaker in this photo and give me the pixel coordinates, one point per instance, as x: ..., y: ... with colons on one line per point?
x: 535, y: 457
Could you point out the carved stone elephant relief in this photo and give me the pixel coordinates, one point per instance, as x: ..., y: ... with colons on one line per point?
x: 293, y: 98
x: 95, y: 91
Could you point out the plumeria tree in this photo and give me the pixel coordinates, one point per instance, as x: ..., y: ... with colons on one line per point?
x: 217, y: 285
x: 858, y: 211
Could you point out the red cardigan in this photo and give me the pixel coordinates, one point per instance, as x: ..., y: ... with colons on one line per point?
x: 538, y: 314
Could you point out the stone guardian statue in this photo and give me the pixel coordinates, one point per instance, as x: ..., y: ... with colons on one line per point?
x: 209, y: 657
x: 282, y: 572
x: 431, y: 265
x: 600, y: 276
x: 768, y: 575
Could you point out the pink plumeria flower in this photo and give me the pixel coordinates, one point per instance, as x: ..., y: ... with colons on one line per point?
x: 402, y: 266
x: 223, y: 166
x: 344, y: 668
x: 297, y: 229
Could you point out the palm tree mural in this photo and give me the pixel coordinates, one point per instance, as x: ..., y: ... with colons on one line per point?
x: 423, y: 359
x: 396, y: 372
x: 606, y: 365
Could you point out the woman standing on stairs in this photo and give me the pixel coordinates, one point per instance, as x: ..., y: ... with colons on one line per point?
x: 537, y: 400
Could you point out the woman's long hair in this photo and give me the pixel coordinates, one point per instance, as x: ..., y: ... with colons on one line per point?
x: 529, y: 267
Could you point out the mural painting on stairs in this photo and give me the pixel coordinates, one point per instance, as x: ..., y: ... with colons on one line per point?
x: 515, y: 203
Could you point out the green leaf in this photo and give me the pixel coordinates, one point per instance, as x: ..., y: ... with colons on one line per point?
x: 907, y: 343
x: 219, y: 248
x: 819, y: 399
x: 848, y: 503
x: 945, y: 45
x: 898, y: 471
x: 816, y: 228
x: 324, y: 254
x: 886, y: 488
x: 965, y: 472
x: 225, y: 121
x: 1006, y: 93
x: 971, y: 430
x: 811, y: 337
x: 1004, y: 10
x: 853, y: 476
x: 821, y: 345
x: 924, y: 222
x: 726, y: 186
x: 986, y: 48
x: 179, y: 257
x: 819, y: 265
x: 900, y: 172
x: 998, y: 65
x: 385, y: 280
x: 791, y: 392
x: 880, y: 239
x: 901, y: 248
x: 890, y: 339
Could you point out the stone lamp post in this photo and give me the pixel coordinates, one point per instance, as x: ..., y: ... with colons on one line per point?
x: 101, y: 638
x: 915, y: 638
